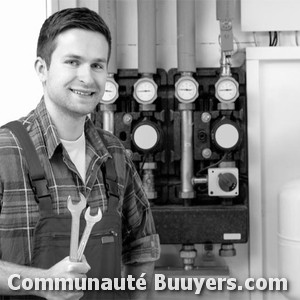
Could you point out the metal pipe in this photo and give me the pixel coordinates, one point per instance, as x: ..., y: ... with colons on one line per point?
x: 186, y: 35
x: 108, y: 117
x: 186, y: 63
x: 187, y: 165
x: 199, y: 180
x: 225, y: 65
x: 108, y: 11
x: 146, y: 37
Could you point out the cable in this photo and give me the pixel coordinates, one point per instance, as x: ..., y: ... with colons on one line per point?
x: 143, y: 163
x: 210, y: 166
x: 237, y: 43
x: 276, y: 42
x: 273, y: 40
x: 296, y: 38
x: 255, y: 39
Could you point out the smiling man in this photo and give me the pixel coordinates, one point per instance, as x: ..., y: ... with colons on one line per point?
x: 74, y: 81
x: 72, y: 58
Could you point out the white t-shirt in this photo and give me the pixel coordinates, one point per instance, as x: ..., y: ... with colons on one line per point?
x: 76, y: 151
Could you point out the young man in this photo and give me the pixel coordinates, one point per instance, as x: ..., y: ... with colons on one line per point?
x: 72, y: 58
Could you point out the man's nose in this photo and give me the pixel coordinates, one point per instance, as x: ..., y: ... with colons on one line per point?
x: 84, y: 74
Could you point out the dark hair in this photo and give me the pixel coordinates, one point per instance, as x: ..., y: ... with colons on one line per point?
x: 79, y: 17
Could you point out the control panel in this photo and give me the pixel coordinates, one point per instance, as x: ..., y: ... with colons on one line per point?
x: 149, y: 119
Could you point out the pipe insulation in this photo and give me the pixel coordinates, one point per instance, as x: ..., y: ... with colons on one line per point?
x: 146, y: 37
x: 108, y: 11
x: 186, y: 48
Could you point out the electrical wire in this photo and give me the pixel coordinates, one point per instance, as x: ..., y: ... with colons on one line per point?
x: 273, y: 40
x: 213, y: 165
x: 255, y: 39
x: 270, y: 38
x: 296, y: 38
x: 237, y: 43
x: 276, y: 34
x: 143, y: 163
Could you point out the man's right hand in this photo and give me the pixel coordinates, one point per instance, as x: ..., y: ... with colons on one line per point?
x: 65, y: 269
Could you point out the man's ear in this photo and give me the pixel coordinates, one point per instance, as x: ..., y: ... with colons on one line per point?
x: 41, y: 69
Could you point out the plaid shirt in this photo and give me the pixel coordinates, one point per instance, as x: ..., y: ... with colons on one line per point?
x: 20, y: 212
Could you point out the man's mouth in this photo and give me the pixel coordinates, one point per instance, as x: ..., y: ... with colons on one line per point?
x: 82, y: 93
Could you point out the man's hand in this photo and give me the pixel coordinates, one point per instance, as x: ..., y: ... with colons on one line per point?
x: 64, y: 269
x: 67, y: 270
x: 65, y: 266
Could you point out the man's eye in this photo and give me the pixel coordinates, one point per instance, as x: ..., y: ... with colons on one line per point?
x: 73, y: 63
x: 98, y: 66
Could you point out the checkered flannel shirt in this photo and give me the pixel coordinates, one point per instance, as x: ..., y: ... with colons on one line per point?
x: 20, y: 212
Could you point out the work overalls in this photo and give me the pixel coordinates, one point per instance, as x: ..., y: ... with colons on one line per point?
x: 103, y: 250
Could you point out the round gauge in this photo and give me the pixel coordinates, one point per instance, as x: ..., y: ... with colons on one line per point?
x: 186, y: 89
x: 227, y: 89
x: 226, y: 134
x: 111, y: 91
x: 145, y: 91
x: 146, y: 136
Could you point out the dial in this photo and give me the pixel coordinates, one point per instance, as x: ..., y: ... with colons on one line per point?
x: 226, y: 134
x: 145, y: 91
x: 146, y: 136
x: 111, y: 92
x: 227, y: 89
x: 186, y: 89
x: 227, y: 181
x: 145, y: 131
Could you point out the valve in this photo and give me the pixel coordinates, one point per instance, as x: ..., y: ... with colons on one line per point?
x: 227, y: 250
x: 223, y: 182
x: 227, y: 182
x: 188, y: 254
x: 149, y: 180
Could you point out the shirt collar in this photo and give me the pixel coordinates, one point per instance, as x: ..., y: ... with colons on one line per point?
x: 51, y: 137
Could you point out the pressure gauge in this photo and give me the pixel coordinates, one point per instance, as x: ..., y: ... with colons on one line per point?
x: 227, y: 89
x: 111, y: 91
x: 145, y: 90
x: 226, y: 134
x: 186, y: 89
x: 146, y: 136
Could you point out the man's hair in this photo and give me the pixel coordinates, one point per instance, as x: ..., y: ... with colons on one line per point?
x: 79, y: 17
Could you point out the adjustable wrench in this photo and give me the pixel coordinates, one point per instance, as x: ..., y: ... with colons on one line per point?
x: 90, y: 222
x: 75, y: 210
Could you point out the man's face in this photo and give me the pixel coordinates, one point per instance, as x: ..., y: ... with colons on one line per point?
x: 75, y: 81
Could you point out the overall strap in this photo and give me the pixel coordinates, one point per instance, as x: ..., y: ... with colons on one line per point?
x: 110, y: 179
x: 36, y: 174
x: 111, y: 183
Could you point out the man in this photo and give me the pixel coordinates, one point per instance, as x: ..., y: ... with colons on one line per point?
x: 72, y: 58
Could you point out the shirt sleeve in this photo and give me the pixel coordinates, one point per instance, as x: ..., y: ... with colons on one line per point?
x: 140, y: 240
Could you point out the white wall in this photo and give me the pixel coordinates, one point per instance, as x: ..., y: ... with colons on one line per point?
x: 270, y: 15
x: 274, y: 150
x: 19, y: 27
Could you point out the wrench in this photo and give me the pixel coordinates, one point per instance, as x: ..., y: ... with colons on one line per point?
x: 75, y: 210
x: 90, y: 222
